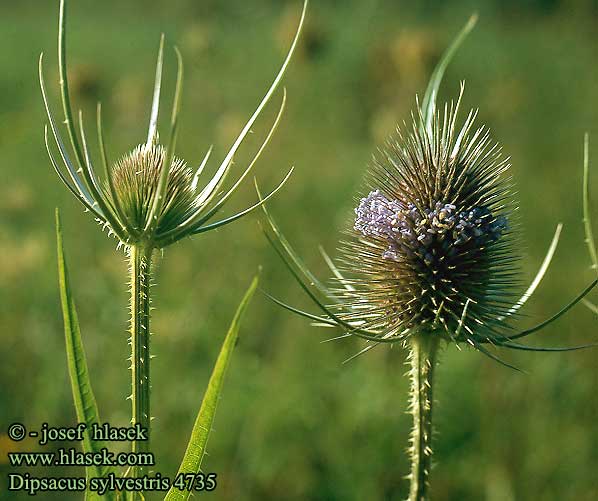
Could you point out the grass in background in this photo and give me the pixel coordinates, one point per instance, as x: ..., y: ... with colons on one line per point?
x: 293, y: 423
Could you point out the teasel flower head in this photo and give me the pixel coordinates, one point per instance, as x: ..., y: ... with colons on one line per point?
x: 149, y: 197
x: 434, y: 234
x: 433, y: 247
x: 431, y: 256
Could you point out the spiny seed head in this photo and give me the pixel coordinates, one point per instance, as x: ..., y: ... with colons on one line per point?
x: 136, y: 176
x: 434, y: 233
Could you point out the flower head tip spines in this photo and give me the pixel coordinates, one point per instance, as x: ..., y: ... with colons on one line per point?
x: 433, y: 234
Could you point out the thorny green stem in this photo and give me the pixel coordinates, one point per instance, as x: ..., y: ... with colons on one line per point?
x: 140, y: 269
x: 422, y: 359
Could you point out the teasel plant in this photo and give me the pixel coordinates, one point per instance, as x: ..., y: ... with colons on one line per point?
x: 431, y: 258
x: 148, y: 200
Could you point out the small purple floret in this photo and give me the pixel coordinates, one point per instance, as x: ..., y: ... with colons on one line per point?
x: 376, y: 215
x: 407, y: 230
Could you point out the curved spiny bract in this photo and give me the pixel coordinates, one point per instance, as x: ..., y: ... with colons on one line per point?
x: 434, y: 232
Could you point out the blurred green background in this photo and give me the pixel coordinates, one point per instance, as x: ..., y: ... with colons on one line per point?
x: 294, y: 423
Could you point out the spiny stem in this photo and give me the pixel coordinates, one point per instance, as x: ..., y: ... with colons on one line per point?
x: 140, y: 268
x: 422, y: 358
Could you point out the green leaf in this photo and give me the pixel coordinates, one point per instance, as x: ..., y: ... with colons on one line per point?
x: 429, y: 101
x: 85, y: 402
x: 203, y: 423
